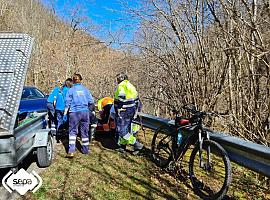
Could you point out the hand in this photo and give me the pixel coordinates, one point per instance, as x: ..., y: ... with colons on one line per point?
x: 65, y: 118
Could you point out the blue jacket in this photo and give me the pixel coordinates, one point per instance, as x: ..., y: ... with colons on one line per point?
x: 78, y: 99
x: 53, y: 95
x: 60, y: 99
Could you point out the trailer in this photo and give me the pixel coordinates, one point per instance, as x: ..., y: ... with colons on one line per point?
x: 19, y: 136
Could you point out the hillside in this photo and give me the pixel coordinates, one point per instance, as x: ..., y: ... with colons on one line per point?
x: 62, y: 48
x: 178, y: 61
x: 219, y: 62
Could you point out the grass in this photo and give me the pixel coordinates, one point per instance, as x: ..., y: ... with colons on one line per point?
x: 108, y: 174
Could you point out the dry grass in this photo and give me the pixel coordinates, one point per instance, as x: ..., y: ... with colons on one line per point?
x: 107, y: 174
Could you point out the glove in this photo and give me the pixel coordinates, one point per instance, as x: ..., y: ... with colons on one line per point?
x: 65, y: 118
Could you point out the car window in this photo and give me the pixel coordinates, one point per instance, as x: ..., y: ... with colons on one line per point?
x: 32, y: 93
x: 37, y: 93
x: 25, y: 93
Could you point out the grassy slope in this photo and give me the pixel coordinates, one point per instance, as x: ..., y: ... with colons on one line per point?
x: 107, y: 174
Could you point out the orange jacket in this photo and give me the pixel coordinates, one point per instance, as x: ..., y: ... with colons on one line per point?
x: 104, y: 101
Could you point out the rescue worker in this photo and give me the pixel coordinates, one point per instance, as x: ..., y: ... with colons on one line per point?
x: 104, y: 107
x: 125, y: 100
x: 60, y: 104
x: 78, y: 103
x: 51, y: 100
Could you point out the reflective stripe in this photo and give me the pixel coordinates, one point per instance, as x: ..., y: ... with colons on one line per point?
x: 85, y: 139
x: 128, y: 106
x: 85, y: 143
x: 72, y: 137
x: 126, y: 100
x: 72, y: 142
x: 127, y: 136
x: 125, y: 104
x: 121, y: 94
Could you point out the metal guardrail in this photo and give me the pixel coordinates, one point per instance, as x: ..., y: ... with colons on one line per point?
x: 245, y: 153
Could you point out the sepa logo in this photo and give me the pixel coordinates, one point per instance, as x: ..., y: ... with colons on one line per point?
x: 22, y: 181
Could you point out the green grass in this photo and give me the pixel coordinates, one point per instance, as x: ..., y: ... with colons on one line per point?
x: 107, y: 174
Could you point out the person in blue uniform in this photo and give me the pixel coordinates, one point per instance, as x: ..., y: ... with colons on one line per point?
x: 51, y: 100
x: 60, y: 104
x: 79, y: 101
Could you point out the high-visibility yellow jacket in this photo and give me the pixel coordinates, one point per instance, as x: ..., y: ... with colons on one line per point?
x: 125, y: 95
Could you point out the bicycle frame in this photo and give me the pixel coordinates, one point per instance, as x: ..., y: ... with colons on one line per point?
x: 195, y: 134
x: 167, y: 151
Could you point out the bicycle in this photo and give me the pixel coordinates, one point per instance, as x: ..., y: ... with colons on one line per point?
x: 209, y: 164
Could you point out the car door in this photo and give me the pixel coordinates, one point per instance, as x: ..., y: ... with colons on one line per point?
x: 32, y: 100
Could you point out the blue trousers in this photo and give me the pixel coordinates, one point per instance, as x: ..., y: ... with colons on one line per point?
x: 123, y: 121
x: 78, y: 120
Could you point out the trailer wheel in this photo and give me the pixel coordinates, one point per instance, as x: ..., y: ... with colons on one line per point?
x: 45, y: 154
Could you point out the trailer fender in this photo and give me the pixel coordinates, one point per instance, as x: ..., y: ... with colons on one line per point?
x: 41, y: 137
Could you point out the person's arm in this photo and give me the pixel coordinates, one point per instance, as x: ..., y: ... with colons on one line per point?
x: 99, y: 104
x: 121, y: 93
x: 52, y: 96
x: 140, y: 105
x: 91, y: 102
x: 68, y: 101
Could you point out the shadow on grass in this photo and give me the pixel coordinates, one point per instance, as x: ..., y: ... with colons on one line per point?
x: 108, y: 142
x: 106, y: 139
x: 104, y: 174
x: 129, y: 183
x: 179, y: 173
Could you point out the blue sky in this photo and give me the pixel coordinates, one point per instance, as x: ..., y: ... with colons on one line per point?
x: 107, y: 15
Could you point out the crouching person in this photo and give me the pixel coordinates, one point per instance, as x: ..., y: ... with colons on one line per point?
x: 78, y: 101
x: 104, y: 107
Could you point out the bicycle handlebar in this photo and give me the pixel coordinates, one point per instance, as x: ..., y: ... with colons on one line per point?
x: 196, y: 114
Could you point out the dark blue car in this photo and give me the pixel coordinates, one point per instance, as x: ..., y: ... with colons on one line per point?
x: 33, y: 100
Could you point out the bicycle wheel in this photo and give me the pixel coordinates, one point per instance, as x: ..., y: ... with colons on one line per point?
x: 162, y: 146
x: 212, y: 177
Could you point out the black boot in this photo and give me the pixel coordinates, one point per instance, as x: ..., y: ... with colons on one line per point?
x: 121, y: 148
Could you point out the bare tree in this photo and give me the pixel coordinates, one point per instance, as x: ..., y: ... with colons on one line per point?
x: 212, y: 54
